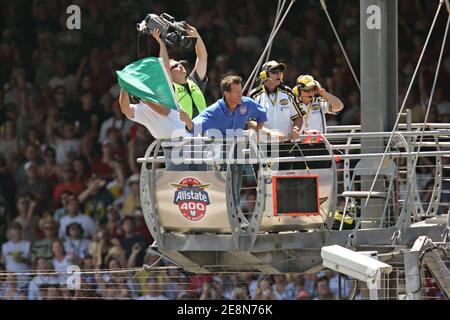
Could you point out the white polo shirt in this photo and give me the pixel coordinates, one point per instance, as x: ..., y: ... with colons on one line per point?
x: 161, y: 127
x: 281, y: 108
x: 314, y: 114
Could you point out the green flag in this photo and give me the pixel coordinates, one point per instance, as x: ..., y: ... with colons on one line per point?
x: 148, y: 80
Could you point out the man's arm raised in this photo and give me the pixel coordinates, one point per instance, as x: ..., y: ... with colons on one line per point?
x: 201, y: 63
x: 335, y: 103
x: 162, y: 50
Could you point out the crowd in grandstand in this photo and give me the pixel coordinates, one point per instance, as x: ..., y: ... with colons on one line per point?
x: 69, y: 185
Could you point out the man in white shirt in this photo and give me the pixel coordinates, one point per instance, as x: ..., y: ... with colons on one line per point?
x: 283, y: 111
x: 16, y: 254
x: 315, y: 102
x: 162, y: 122
x: 74, y: 215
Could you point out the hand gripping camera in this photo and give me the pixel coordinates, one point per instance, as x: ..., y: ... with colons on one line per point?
x: 172, y: 32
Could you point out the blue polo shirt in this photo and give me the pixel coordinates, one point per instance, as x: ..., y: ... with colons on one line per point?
x: 218, y: 116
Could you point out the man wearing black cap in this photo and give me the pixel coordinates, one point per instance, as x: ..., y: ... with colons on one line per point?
x: 188, y: 88
x: 283, y: 112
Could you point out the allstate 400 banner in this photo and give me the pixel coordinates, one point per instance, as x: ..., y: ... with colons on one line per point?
x: 148, y: 80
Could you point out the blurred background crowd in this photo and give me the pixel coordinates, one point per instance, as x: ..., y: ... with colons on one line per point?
x: 69, y: 184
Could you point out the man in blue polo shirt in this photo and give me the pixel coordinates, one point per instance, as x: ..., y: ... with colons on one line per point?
x: 228, y: 117
x: 228, y: 114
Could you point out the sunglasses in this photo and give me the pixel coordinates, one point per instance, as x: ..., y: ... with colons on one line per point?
x: 276, y: 70
x: 308, y: 90
x: 175, y: 66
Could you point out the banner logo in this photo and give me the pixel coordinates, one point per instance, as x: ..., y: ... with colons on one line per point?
x: 191, y: 198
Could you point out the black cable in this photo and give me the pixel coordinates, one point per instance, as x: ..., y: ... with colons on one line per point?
x: 422, y: 254
x: 138, y: 38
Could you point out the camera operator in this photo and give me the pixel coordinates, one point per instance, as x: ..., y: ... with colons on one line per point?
x: 188, y: 88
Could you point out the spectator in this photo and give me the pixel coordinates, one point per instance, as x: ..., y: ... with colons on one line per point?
x: 26, y: 207
x: 310, y: 281
x: 68, y: 184
x: 42, y: 265
x: 11, y: 289
x: 344, y: 291
x: 240, y: 292
x: 63, y: 79
x: 132, y: 201
x: 107, y: 282
x: 282, y: 289
x: 16, y: 254
x: 114, y: 137
x: 61, y: 211
x: 209, y: 292
x: 31, y: 155
x: 196, y: 283
x: 73, y: 214
x: 49, y: 170
x: 103, y: 168
x: 265, y: 291
x: 52, y: 291
x: 10, y: 144
x: 299, y: 283
x: 104, y: 247
x: 7, y: 184
x: 130, y: 238
x: 139, y: 142
x: 81, y: 170
x: 88, y: 117
x: 95, y: 199
x: 323, y: 289
x: 351, y: 114
x: 43, y: 248
x: 118, y: 120
x: 61, y: 261
x: 112, y: 224
x: 152, y: 291
x: 60, y: 98
x: 66, y: 145
x: 36, y: 187
x: 75, y: 246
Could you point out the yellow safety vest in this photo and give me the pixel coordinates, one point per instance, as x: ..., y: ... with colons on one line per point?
x: 187, y: 100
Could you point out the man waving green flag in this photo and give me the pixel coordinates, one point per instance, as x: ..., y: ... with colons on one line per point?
x: 147, y: 79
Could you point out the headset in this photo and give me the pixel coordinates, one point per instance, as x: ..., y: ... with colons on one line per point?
x: 297, y: 87
x: 264, y: 76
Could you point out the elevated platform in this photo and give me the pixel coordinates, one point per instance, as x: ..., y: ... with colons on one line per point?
x: 249, y: 209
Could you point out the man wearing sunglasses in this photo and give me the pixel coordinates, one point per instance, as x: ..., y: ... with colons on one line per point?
x: 188, y: 88
x: 284, y: 117
x: 315, y: 102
